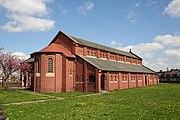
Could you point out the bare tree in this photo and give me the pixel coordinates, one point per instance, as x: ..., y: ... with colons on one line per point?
x: 10, y: 64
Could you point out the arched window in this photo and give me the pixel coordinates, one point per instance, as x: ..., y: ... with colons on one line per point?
x: 92, y: 78
x: 50, y: 65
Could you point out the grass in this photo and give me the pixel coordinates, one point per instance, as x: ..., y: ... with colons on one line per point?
x: 10, y: 96
x: 153, y: 102
x: 67, y: 94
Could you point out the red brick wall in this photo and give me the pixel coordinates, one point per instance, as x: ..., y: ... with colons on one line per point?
x: 132, y: 81
x: 59, y: 80
x: 124, y: 84
x: 69, y: 75
x: 88, y: 51
x: 91, y: 87
x: 113, y: 83
x: 91, y: 52
x: 80, y: 84
x: 79, y: 50
x: 66, y: 42
x: 58, y: 76
x: 140, y: 80
x: 63, y: 74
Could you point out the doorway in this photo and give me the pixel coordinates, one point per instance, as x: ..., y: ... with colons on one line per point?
x: 145, y: 80
x: 24, y: 81
x: 103, y: 82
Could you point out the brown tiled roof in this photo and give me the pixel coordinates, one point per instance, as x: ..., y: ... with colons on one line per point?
x: 53, y: 47
x: 108, y: 65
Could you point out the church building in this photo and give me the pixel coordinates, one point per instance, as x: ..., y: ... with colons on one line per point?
x: 71, y: 64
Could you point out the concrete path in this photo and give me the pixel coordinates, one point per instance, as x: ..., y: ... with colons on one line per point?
x: 50, y: 99
x: 35, y: 93
x: 29, y: 102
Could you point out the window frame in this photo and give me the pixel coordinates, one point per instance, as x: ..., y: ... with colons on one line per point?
x: 50, y: 65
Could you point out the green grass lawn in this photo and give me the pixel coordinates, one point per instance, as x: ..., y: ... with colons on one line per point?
x: 68, y: 94
x: 10, y: 96
x: 154, y: 102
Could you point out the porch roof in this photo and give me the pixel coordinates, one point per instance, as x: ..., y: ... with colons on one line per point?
x: 108, y: 65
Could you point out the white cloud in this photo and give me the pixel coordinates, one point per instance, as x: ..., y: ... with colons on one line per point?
x: 27, y: 15
x: 172, y: 53
x: 21, y: 55
x: 159, y: 54
x: 148, y: 55
x: 86, y: 7
x: 144, y: 47
x: 178, y: 64
x: 132, y: 17
x: 24, y: 23
x: 26, y: 7
x: 115, y: 43
x: 168, y: 40
x: 173, y: 9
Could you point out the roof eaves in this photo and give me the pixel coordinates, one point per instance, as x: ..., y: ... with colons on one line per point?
x: 54, y: 52
x: 88, y: 61
x: 149, y: 69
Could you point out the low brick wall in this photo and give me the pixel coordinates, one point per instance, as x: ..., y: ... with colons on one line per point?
x: 12, y: 84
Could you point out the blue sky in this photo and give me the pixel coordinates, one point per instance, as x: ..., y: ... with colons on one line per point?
x: 151, y: 28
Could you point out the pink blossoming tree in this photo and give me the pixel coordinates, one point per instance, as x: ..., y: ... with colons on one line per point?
x: 10, y: 64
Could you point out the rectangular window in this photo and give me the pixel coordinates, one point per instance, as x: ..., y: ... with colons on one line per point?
x: 115, y: 79
x: 126, y: 78
x: 77, y: 79
x: 111, y: 79
x: 123, y: 78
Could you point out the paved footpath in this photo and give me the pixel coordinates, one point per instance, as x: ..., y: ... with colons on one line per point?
x: 50, y: 99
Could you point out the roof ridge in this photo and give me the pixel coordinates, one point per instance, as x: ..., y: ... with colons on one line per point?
x: 99, y: 44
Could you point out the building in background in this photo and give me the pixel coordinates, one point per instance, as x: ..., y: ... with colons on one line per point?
x: 172, y: 75
x: 70, y: 64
